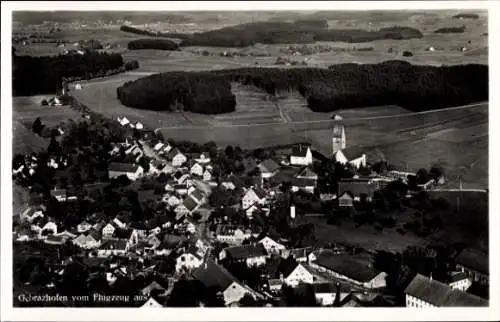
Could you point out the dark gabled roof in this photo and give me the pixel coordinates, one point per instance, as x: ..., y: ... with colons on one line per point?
x: 348, y: 265
x: 138, y: 225
x: 58, y: 193
x: 123, y: 167
x: 197, y: 194
x: 303, y: 182
x: 190, y: 203
x: 307, y: 173
x: 357, y: 187
x: 214, y: 275
x: 172, y: 153
x: 440, y: 294
x: 246, y: 251
x: 268, y: 166
x: 259, y: 192
x: 114, y: 244
x: 474, y: 259
x: 96, y: 234
x: 353, y: 152
x: 180, y: 186
x: 457, y: 276
x: 300, y: 150
x: 287, y: 266
x: 54, y: 238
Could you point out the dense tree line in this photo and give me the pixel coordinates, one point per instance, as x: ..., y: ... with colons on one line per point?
x: 143, y: 32
x: 341, y: 86
x: 44, y: 75
x: 295, y: 32
x: 466, y: 16
x: 149, y: 43
x: 450, y: 30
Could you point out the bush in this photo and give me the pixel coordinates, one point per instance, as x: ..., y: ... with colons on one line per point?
x: 407, y: 53
x: 45, y: 102
x: 401, y: 231
x: 450, y: 30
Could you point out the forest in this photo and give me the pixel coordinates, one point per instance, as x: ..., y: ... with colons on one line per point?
x: 147, y: 43
x: 450, y: 30
x: 297, y: 32
x: 43, y: 75
x: 341, y: 86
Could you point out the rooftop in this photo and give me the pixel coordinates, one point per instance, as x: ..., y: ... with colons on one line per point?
x: 474, y: 259
x: 123, y: 167
x: 440, y: 294
x: 352, y: 266
x: 300, y: 150
x: 246, y: 251
x: 268, y: 166
x: 212, y: 274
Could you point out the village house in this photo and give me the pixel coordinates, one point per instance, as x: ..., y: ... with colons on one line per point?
x: 88, y: 240
x: 158, y: 146
x: 425, y: 292
x: 272, y: 246
x: 176, y: 157
x: 268, y: 168
x: 59, y: 194
x: 202, y: 158
x: 116, y: 247
x: 123, y: 121
x: 207, y: 176
x: 299, y: 254
x: 307, y: 173
x: 351, y: 155
x: 228, y: 184
x: 83, y: 227
x: 49, y: 226
x: 189, y: 260
x: 188, y: 206
x: 353, y: 268
x: 326, y: 293
x: 251, y: 254
x: 212, y: 275
x: 358, y: 189
x: 132, y: 171
x: 293, y: 273
x: 301, y: 155
x: 231, y: 235
x: 459, y: 281
x: 180, y: 177
x: 173, y: 201
x: 181, y: 189
x: 475, y: 264
x: 196, y: 169
x: 303, y: 184
x: 31, y: 213
x: 157, y: 167
x: 153, y: 287
x: 198, y: 196
x: 54, y: 240
x: 118, y: 223
x: 151, y: 303
x: 108, y: 230
x: 253, y: 196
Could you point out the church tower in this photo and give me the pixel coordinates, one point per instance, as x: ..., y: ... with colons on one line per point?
x: 338, y: 139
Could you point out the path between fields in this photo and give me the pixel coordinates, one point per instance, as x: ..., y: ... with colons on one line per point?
x: 483, y: 104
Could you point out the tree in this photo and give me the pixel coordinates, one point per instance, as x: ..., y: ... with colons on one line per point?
x: 37, y: 126
x: 247, y: 301
x: 422, y: 176
x: 44, y: 102
x: 436, y: 172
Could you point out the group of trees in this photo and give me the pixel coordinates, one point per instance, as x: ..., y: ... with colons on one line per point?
x: 450, y: 30
x: 143, y: 32
x: 152, y: 43
x: 44, y: 75
x: 341, y: 86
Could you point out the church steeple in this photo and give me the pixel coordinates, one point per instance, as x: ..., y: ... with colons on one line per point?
x: 338, y: 137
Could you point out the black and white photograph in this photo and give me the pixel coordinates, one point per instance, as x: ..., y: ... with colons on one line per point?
x: 251, y: 158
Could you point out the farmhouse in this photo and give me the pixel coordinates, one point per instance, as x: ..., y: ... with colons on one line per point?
x: 427, y: 292
x: 268, y: 168
x: 459, y: 281
x: 196, y: 169
x: 353, y: 268
x: 307, y: 185
x: 346, y: 199
x: 88, y: 241
x: 293, y: 273
x: 176, y: 157
x: 117, y: 247
x: 253, y: 196
x: 231, y: 234
x: 358, y: 188
x: 351, y: 155
x: 213, y: 275
x: 251, y: 254
x: 151, y: 303
x: 327, y: 293
x: 123, y: 121
x: 202, y: 158
x: 189, y: 260
x: 301, y: 155
x: 271, y: 246
x: 207, y: 176
x: 475, y: 264
x: 132, y: 171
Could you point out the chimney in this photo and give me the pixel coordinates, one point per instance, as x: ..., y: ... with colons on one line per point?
x: 292, y: 211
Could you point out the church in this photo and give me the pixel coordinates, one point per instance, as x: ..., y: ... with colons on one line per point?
x: 352, y: 155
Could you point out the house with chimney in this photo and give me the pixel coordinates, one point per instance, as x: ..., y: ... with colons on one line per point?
x: 176, y: 157
x: 253, y: 196
x: 232, y: 235
x: 268, y: 168
x: 301, y: 155
x: 475, y: 264
x: 355, y: 190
